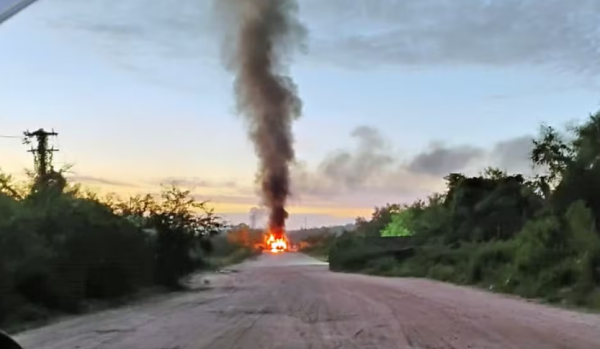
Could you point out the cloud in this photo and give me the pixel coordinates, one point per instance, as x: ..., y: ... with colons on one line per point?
x: 373, y: 171
x: 351, y: 168
x: 440, y: 160
x: 195, y: 182
x: 84, y: 179
x: 235, y: 199
x: 176, y: 28
x: 295, y: 221
x: 232, y: 193
x: 555, y: 33
x: 514, y: 154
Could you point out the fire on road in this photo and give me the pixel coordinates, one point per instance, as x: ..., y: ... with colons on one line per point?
x: 276, y: 242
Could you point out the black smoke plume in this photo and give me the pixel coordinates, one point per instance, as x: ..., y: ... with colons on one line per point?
x: 263, y: 34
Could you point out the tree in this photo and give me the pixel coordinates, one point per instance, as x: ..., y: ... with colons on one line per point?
x: 552, y: 152
x: 9, y: 187
x: 183, y: 226
x: 586, y: 145
x: 240, y: 235
x: 399, y: 226
x: 380, y: 218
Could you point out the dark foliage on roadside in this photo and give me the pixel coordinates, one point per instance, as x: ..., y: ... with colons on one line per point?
x: 61, y: 247
x: 240, y: 243
x: 318, y: 243
x: 536, y: 237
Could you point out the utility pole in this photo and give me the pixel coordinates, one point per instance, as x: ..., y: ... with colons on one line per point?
x: 42, y: 153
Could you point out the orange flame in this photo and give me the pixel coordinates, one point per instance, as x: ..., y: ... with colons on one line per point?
x: 277, y: 241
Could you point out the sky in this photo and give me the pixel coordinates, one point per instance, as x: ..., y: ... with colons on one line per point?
x: 396, y: 94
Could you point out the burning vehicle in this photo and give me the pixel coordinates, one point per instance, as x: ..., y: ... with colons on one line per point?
x: 276, y: 241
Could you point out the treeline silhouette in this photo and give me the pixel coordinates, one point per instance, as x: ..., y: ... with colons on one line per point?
x: 62, y: 246
x: 537, y: 237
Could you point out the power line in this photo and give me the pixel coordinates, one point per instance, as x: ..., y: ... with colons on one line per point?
x: 6, y: 136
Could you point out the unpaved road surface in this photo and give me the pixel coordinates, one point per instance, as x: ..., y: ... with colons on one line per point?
x: 292, y: 301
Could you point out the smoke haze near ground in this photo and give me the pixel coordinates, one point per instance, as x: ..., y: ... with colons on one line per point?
x: 260, y: 35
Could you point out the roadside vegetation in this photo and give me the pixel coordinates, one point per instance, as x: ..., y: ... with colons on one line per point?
x: 318, y: 244
x: 62, y: 248
x: 240, y: 243
x: 536, y: 237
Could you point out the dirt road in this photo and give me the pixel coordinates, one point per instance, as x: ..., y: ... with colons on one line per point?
x: 292, y: 301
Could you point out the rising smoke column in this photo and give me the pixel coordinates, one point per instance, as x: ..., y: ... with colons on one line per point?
x: 264, y: 32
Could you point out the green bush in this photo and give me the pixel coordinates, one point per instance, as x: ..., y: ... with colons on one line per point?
x: 60, y: 249
x: 318, y: 245
x: 381, y: 266
x: 239, y: 255
x: 492, y: 264
x: 347, y: 253
x: 442, y: 272
x: 537, y: 237
x: 228, y: 253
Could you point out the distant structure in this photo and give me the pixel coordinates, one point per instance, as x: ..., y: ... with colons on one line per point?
x: 255, y: 213
x: 42, y: 152
x: 45, y: 175
x: 252, y: 220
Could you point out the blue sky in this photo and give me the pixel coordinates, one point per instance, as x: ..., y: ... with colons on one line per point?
x: 139, y: 95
